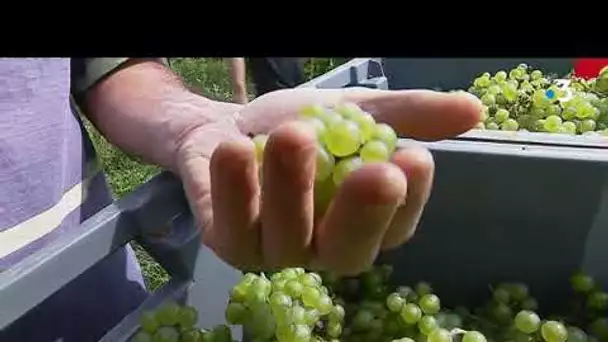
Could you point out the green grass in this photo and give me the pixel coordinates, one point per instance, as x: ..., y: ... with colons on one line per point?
x: 209, y: 76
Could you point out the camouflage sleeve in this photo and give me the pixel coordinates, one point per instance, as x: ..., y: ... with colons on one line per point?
x: 85, y: 72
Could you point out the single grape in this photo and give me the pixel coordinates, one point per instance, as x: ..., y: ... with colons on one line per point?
x: 148, y: 322
x: 597, y: 300
x: 374, y: 151
x: 334, y: 329
x: 501, y: 75
x: 423, y: 288
x: 473, y: 336
x: 317, y: 124
x: 576, y: 335
x: 439, y: 335
x: 141, y: 336
x: 553, y: 123
x: 582, y: 283
x: 362, y: 320
x: 366, y: 123
x: 394, y: 302
x: 386, y: 134
x: 529, y: 304
x: 553, y: 331
x: 345, y: 167
x: 568, y: 127
x: 488, y: 99
x: 259, y: 142
x: 294, y: 288
x: 509, y: 125
x: 343, y: 138
x: 337, y: 313
x: 192, y: 335
x: 166, y: 334
x: 501, y: 115
x: 236, y: 313
x: 168, y: 313
x: 410, y: 313
x: 187, y: 317
x: 527, y: 321
x: 427, y: 324
x: 492, y: 126
x: 430, y: 304
x: 325, y: 164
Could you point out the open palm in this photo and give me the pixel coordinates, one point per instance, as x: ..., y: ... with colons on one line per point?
x: 274, y: 225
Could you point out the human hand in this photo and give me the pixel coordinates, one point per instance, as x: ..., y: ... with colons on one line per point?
x: 377, y: 207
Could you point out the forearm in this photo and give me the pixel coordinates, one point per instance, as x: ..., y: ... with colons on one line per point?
x: 144, y: 109
x: 238, y: 75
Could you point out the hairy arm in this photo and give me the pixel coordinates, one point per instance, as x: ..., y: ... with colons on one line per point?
x: 142, y: 107
x: 239, y: 79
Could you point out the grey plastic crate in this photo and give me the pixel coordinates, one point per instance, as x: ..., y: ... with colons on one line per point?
x: 504, y: 205
x: 358, y: 72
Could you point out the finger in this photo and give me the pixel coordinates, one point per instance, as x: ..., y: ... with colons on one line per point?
x: 235, y: 201
x: 418, y: 166
x: 422, y: 114
x: 349, y: 237
x: 287, y: 195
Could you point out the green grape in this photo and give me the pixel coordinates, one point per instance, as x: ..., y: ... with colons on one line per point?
x: 509, y: 125
x: 427, y: 324
x: 501, y: 294
x: 294, y: 288
x: 439, y: 335
x: 509, y: 91
x: 394, y: 302
x: 343, y: 138
x: 374, y: 151
x: 516, y: 73
x: 582, y: 283
x: 501, y: 75
x: 597, y: 300
x: 222, y: 333
x: 168, y: 313
x: 480, y: 125
x: 576, y: 335
x: 536, y: 74
x: 366, y: 124
x: 348, y: 110
x: 430, y: 304
x: 187, y: 317
x: 324, y: 304
x: 362, y: 320
x: 311, y: 317
x: 337, y: 313
x: 313, y: 111
x: 587, y: 126
x: 529, y: 304
x: 410, y: 313
x: 344, y: 167
x: 494, y: 89
x: 518, y: 291
x: 334, y: 329
x: 502, y: 312
x: 568, y: 127
x: 501, y: 115
x: 325, y: 164
x: 473, y: 336
x: 553, y: 123
x: 553, y: 331
x: 317, y: 124
x: 492, y: 126
x: 423, y: 288
x: 148, y: 322
x: 488, y: 99
x: 527, y: 321
x: 166, y: 334
x: 191, y: 335
x: 141, y: 336
x: 297, y: 315
x: 236, y: 313
x: 386, y: 134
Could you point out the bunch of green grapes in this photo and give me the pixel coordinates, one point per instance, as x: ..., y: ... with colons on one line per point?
x: 526, y: 100
x: 348, y: 137
x: 291, y: 306
x: 172, y: 322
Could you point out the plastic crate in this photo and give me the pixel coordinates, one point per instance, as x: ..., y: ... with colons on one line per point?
x: 504, y: 205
